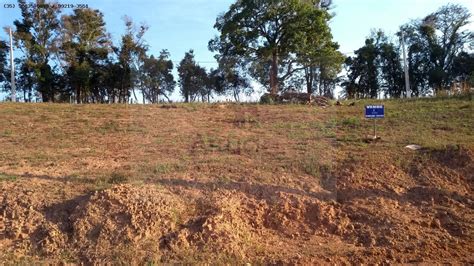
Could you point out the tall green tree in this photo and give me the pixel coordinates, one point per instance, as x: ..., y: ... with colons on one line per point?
x: 376, y: 68
x: 192, y: 78
x: 156, y: 78
x: 321, y: 68
x: 391, y: 73
x: 3, y: 61
x: 131, y: 54
x: 463, y: 69
x: 25, y: 80
x: 434, y: 43
x: 228, y: 79
x: 319, y: 55
x: 35, y: 35
x: 271, y: 33
x: 85, y: 47
x: 363, y: 79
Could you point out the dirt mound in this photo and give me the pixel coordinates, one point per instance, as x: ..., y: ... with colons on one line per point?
x: 294, y: 215
x: 418, y: 211
x: 449, y: 169
x: 33, y: 218
x: 241, y: 223
x: 234, y: 224
x: 127, y: 220
x: 123, y: 223
x: 219, y: 226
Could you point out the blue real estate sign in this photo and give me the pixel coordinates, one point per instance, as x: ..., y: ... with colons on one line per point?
x: 374, y: 111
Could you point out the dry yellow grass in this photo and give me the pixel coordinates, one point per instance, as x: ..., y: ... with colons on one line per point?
x: 287, y: 161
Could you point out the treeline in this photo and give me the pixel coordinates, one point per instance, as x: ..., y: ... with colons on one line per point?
x: 71, y: 57
x: 438, y: 53
x: 282, y: 45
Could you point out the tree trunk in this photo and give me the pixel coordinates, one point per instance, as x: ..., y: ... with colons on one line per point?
x: 78, y: 95
x: 236, y: 96
x: 44, y: 97
x: 135, y: 95
x: 309, y: 80
x: 320, y: 86
x: 274, y: 74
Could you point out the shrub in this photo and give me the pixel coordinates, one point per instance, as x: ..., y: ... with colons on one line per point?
x: 268, y: 98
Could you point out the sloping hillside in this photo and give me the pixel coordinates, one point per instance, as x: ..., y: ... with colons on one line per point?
x: 237, y: 183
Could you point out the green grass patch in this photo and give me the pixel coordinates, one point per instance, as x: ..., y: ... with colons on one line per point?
x: 6, y: 133
x: 118, y: 178
x: 167, y: 168
x: 7, y: 177
x: 350, y: 122
x: 109, y: 127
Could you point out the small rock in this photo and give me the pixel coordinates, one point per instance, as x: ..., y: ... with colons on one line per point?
x: 413, y: 147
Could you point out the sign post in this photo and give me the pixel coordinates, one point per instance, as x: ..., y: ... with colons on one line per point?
x: 374, y: 112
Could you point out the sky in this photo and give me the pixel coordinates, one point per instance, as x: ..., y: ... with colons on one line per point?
x: 180, y: 25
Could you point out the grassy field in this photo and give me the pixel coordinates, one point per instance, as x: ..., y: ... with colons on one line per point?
x: 228, y: 142
x: 196, y: 150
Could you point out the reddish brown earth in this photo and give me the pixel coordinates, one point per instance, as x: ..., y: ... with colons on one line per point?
x: 234, y: 184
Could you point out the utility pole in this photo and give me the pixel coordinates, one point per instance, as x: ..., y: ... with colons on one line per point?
x: 405, y: 68
x: 12, y: 67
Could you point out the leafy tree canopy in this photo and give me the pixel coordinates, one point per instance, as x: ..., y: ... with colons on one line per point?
x: 275, y: 33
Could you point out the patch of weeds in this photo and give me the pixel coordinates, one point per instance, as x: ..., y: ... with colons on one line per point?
x: 329, y: 128
x: 177, y: 216
x: 109, y: 126
x: 310, y: 166
x: 42, y: 118
x: 443, y: 128
x: 75, y: 178
x: 6, y: 133
x: 223, y: 179
x: 38, y: 159
x: 350, y: 138
x: 166, y: 168
x: 239, y: 145
x: 136, y: 128
x: 68, y: 257
x: 118, y: 178
x: 284, y: 125
x: 315, y: 125
x: 350, y: 122
x: 299, y: 134
x: 7, y: 177
x: 246, y: 120
x: 327, y: 178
